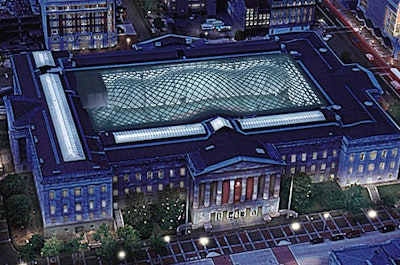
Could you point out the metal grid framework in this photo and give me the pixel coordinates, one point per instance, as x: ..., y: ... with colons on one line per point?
x: 281, y: 120
x: 43, y: 58
x: 179, y: 91
x: 159, y: 133
x: 67, y: 135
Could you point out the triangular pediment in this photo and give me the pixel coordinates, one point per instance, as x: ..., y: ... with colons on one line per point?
x: 238, y: 163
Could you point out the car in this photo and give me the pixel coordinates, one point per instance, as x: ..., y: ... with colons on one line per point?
x: 353, y: 233
x: 337, y: 237
x: 316, y: 240
x: 386, y: 228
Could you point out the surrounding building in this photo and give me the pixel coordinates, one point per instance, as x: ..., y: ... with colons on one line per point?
x: 222, y: 124
x: 187, y: 7
x: 79, y: 25
x: 374, y: 254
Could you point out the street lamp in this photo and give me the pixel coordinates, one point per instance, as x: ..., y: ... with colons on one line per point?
x: 326, y: 216
x: 128, y: 42
x: 295, y: 226
x: 372, y: 213
x: 204, y: 241
x: 167, y: 239
x: 121, y: 255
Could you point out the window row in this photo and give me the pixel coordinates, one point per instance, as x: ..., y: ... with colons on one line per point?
x: 314, y: 156
x: 148, y: 188
x: 77, y: 192
x: 151, y: 174
x: 370, y: 167
x: 78, y: 217
x: 373, y: 155
x: 313, y: 168
x: 78, y: 206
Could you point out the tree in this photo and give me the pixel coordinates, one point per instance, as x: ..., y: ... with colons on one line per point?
x: 353, y: 199
x: 394, y: 111
x: 12, y: 185
x: 240, y: 35
x: 72, y: 245
x: 139, y: 214
x: 37, y: 243
x: 345, y: 56
x: 169, y: 210
x: 301, y: 195
x: 26, y: 252
x: 157, y: 244
x: 128, y: 236
x: 32, y: 249
x: 52, y: 247
x: 108, y: 245
x: 158, y: 23
x: 20, y: 202
x: 328, y: 194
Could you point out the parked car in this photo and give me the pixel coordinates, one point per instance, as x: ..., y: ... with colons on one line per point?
x: 316, y: 240
x: 337, y: 237
x: 386, y: 228
x: 353, y: 233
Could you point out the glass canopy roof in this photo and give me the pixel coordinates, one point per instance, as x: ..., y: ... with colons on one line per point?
x: 183, y: 91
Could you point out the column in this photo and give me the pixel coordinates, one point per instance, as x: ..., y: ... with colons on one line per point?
x: 266, y: 187
x: 196, y: 196
x: 232, y: 190
x: 243, y: 197
x: 218, y: 200
x: 207, y: 195
x: 255, y: 189
x: 277, y: 186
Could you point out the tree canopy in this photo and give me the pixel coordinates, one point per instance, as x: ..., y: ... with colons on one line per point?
x: 18, y: 209
x: 52, y: 247
x: 12, y: 185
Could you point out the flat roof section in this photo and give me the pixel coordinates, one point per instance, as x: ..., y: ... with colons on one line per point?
x: 164, y: 93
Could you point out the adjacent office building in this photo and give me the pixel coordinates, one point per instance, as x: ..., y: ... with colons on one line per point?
x: 79, y: 25
x: 222, y: 124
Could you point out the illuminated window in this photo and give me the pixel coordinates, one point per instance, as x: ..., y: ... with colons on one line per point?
x: 115, y: 179
x: 314, y: 155
x: 149, y: 175
x: 65, y: 193
x: 323, y: 166
x: 103, y: 203
x: 78, y: 206
x: 292, y: 170
x: 160, y: 186
x: 303, y: 156
x: 138, y: 176
x: 171, y: 185
x: 115, y: 192
x: 351, y: 158
x: 303, y: 169
x: 103, y: 213
x: 182, y: 184
x: 91, y: 204
x: 350, y: 170
x: 371, y: 167
x: 392, y: 164
x: 390, y: 175
x: 91, y: 190
x: 103, y: 188
x: 149, y: 188
x: 52, y: 209
x: 333, y: 165
x: 381, y: 165
x: 312, y: 168
x: 78, y: 217
x: 334, y: 153
x: 394, y: 152
x: 325, y: 154
x: 171, y: 173
x: 284, y: 157
x: 51, y: 195
x: 78, y: 191
x: 384, y: 153
x: 91, y: 215
x: 126, y: 177
x: 161, y: 174
x: 183, y: 171
x: 360, y: 168
x: 65, y: 208
x: 293, y: 159
x: 138, y: 189
x: 372, y: 155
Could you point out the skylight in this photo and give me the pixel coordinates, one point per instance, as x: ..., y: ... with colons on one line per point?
x: 67, y: 135
x: 281, y: 120
x: 159, y: 133
x: 219, y: 123
x: 43, y: 58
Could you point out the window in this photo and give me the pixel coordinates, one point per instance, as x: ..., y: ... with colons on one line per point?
x: 183, y: 171
x: 78, y: 191
x: 65, y: 193
x: 362, y: 156
x: 91, y: 215
x: 103, y: 203
x: 115, y: 179
x: 351, y: 159
x: 52, y: 209
x: 381, y: 165
x: 161, y: 174
x: 182, y: 184
x: 126, y: 177
x: 115, y: 192
x: 314, y: 155
x: 392, y: 164
x: 372, y: 155
x: 126, y: 190
x: 394, y: 152
x: 293, y: 159
x: 303, y: 156
x: 312, y: 168
x: 149, y: 175
x: 284, y: 157
x: 149, y: 188
x: 360, y: 168
x: 160, y: 187
x: 91, y: 204
x: 350, y: 170
x: 78, y: 206
x: 325, y: 154
x: 172, y: 173
x: 103, y: 213
x: 321, y: 178
x: 390, y: 175
x: 371, y: 167
x: 103, y: 188
x: 384, y: 153
x: 292, y: 170
x: 138, y: 176
x: 65, y: 208
x: 333, y: 165
x: 51, y: 195
x: 303, y: 169
x: 334, y: 153
x: 53, y: 221
x: 65, y: 219
x: 323, y: 166
x: 91, y: 190
x: 78, y: 217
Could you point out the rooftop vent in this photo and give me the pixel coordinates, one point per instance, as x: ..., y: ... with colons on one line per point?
x: 55, y: 172
x: 210, y: 147
x: 158, y: 44
x: 96, y: 167
x: 41, y: 160
x: 368, y: 103
x: 260, y: 151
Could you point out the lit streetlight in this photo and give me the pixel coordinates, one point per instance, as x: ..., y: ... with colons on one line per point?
x: 167, y: 239
x: 128, y: 42
x: 295, y: 226
x: 325, y: 216
x: 121, y: 255
x: 372, y: 214
x: 204, y: 241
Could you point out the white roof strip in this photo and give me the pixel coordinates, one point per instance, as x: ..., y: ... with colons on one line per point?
x: 281, y: 120
x: 67, y: 135
x: 43, y: 58
x: 159, y: 133
x: 219, y: 123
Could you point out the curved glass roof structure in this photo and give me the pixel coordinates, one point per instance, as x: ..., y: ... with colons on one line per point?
x: 182, y: 91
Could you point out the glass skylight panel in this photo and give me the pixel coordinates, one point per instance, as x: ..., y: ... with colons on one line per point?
x: 219, y: 123
x: 179, y: 91
x: 159, y: 133
x: 60, y: 113
x: 281, y: 120
x: 43, y: 58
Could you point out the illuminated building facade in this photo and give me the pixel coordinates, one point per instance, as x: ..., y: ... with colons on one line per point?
x: 222, y: 124
x: 79, y: 25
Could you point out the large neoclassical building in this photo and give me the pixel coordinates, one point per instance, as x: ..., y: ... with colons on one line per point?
x: 222, y: 123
